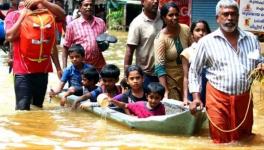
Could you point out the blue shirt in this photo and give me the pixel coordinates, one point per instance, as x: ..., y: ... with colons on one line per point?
x: 73, y: 76
x: 94, y: 92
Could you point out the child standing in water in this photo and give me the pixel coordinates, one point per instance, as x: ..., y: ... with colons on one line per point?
x: 143, y: 109
x: 134, y: 78
x: 198, y: 30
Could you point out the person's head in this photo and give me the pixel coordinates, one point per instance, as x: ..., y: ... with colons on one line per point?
x: 76, y: 54
x: 155, y: 93
x: 150, y: 6
x: 124, y: 85
x: 90, y: 77
x: 87, y: 8
x: 199, y: 29
x: 110, y: 75
x: 227, y: 14
x: 170, y: 13
x: 134, y: 76
x: 21, y: 5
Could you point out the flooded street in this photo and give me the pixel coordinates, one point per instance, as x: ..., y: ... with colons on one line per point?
x: 59, y: 128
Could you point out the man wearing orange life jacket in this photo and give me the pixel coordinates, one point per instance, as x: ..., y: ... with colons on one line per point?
x: 32, y: 57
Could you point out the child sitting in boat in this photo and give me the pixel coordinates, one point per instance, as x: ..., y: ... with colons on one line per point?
x: 143, y: 109
x: 109, y: 77
x: 72, y: 74
x: 134, y: 79
x: 90, y: 78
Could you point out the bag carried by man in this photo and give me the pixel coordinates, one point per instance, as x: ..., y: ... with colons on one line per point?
x: 37, y: 37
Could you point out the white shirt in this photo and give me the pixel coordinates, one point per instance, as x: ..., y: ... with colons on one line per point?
x: 227, y: 69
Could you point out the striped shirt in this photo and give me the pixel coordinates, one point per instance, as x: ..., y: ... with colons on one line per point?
x: 227, y: 69
x: 79, y: 31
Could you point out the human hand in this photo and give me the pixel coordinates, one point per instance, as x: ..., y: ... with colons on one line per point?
x: 63, y: 101
x: 85, y: 105
x: 59, y: 73
x: 29, y: 3
x: 10, y: 62
x: 52, y: 93
x: 186, y: 102
x: 75, y: 105
x: 166, y: 95
x: 23, y: 12
x: 193, y: 106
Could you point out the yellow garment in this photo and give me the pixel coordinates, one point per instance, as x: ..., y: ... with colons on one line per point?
x: 166, y: 55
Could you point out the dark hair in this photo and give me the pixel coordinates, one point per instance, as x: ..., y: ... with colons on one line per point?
x: 156, y: 87
x: 165, y: 8
x: 91, y: 74
x: 123, y: 83
x: 81, y: 1
x: 77, y: 48
x: 194, y: 24
x: 134, y: 68
x: 110, y: 71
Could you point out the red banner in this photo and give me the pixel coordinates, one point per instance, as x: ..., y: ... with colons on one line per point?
x: 184, y: 9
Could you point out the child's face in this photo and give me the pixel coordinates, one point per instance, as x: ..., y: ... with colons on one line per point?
x: 154, y: 99
x: 76, y: 58
x: 109, y: 83
x: 135, y: 80
x: 199, y: 31
x: 86, y: 82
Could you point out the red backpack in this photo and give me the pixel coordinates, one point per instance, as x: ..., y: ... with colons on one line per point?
x: 37, y: 37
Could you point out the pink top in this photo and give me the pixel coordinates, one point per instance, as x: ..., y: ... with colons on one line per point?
x: 79, y: 31
x: 140, y: 109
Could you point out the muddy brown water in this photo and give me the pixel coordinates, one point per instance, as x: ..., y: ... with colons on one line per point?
x: 59, y: 128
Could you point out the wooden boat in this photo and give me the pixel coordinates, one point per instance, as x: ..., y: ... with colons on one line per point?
x: 178, y: 119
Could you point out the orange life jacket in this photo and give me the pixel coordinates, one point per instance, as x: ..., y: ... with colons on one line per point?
x: 37, y: 37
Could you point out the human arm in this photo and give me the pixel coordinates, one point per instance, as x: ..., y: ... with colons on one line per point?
x: 185, y: 66
x: 160, y: 60
x: 129, y: 55
x: 194, y: 75
x: 12, y: 29
x: 80, y: 99
x: 195, y: 103
x: 53, y: 8
x: 118, y: 103
x: 64, y: 56
x: 55, y: 59
x: 54, y: 92
x: 10, y: 57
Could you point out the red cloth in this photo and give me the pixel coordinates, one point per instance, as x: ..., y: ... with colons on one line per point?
x: 227, y: 111
x: 140, y: 109
x: 19, y: 66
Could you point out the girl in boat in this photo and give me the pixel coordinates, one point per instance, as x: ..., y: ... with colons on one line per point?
x: 143, y: 109
x: 134, y: 79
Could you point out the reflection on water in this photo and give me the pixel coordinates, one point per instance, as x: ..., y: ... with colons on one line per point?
x: 59, y: 128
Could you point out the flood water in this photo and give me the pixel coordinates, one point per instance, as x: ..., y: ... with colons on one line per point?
x: 59, y: 128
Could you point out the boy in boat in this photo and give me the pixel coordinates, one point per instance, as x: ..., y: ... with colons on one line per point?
x: 109, y: 77
x: 143, y: 109
x: 72, y: 74
x: 90, y: 78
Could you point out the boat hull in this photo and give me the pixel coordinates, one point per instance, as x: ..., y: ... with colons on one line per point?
x: 178, y: 119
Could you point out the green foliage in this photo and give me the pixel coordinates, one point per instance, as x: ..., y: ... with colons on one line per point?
x: 115, y: 18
